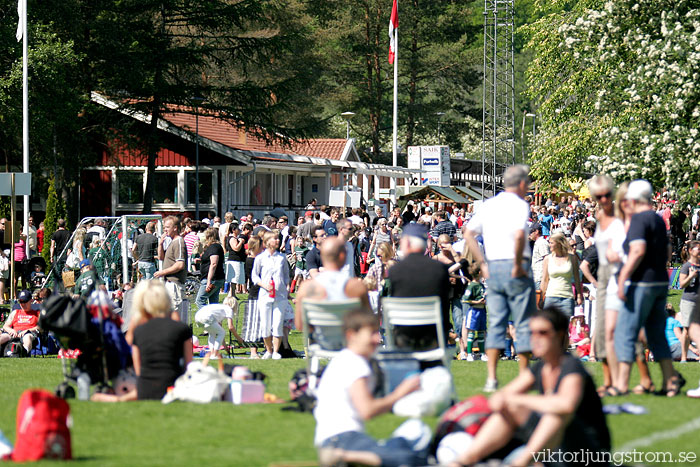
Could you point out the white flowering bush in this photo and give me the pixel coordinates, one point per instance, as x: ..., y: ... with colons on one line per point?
x: 617, y: 93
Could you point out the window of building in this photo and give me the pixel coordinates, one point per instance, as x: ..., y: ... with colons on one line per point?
x: 261, y: 191
x: 165, y: 187
x: 206, y: 183
x: 130, y: 186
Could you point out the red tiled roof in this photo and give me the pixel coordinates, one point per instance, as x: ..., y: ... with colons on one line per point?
x: 223, y: 132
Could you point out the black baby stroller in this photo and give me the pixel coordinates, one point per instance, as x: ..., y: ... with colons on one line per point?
x: 93, y: 332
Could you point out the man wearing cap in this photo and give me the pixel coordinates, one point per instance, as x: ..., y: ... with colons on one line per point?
x: 22, y: 323
x: 540, y: 249
x: 503, y: 223
x: 304, y: 229
x: 88, y: 281
x: 643, y: 287
x: 416, y: 275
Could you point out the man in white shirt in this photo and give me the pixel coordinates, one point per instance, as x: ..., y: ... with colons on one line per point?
x: 223, y: 228
x: 345, y: 401
x: 503, y: 223
x: 540, y: 249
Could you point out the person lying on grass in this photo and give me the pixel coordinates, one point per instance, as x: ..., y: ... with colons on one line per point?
x: 345, y: 401
x: 565, y: 415
x: 161, y: 349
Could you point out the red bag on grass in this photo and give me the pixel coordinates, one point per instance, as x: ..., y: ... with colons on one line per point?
x: 42, y: 427
x: 467, y: 416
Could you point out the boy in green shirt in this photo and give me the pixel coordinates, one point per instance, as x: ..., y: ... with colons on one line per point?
x: 88, y: 281
x: 475, y: 319
x: 300, y: 271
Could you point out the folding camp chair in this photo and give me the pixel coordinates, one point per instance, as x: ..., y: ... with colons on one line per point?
x: 323, y: 331
x: 415, y: 311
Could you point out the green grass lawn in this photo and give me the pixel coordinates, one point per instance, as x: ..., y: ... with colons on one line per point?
x: 150, y: 433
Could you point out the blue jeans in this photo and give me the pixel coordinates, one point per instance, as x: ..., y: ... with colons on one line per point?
x: 147, y: 269
x: 393, y: 452
x: 509, y: 297
x: 645, y: 307
x: 204, y: 297
x: 457, y: 316
x: 565, y: 305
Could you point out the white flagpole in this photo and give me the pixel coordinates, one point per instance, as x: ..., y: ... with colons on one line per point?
x: 25, y: 117
x: 396, y: 107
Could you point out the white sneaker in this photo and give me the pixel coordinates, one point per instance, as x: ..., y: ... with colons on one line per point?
x: 462, y: 356
x: 694, y: 393
x: 470, y: 357
x: 276, y: 356
x: 266, y: 356
x: 491, y: 385
x: 254, y: 356
x: 484, y: 358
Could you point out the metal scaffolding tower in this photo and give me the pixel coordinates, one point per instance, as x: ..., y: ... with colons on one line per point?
x: 498, y: 122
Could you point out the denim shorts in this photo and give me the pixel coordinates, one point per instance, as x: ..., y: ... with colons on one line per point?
x: 457, y: 315
x: 509, y: 298
x: 563, y: 304
x: 393, y: 452
x: 645, y: 307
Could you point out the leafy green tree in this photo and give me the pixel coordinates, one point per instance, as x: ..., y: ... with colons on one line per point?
x: 55, y: 209
x: 617, y: 92
x: 246, y: 58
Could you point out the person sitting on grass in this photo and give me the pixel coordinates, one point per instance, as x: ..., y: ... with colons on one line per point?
x: 475, y: 320
x: 210, y: 316
x: 345, y: 401
x: 161, y: 349
x: 580, y: 336
x: 674, y: 336
x: 23, y: 323
x: 565, y: 415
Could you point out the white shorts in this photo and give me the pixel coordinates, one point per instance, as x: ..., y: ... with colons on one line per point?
x: 272, y: 313
x: 235, y: 272
x: 176, y: 292
x: 301, y: 272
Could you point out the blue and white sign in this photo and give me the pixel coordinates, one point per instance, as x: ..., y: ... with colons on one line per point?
x: 434, y: 161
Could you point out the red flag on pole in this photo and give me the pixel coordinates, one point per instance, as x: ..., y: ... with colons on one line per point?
x: 393, y: 25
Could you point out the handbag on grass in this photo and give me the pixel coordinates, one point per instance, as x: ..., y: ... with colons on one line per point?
x: 200, y: 383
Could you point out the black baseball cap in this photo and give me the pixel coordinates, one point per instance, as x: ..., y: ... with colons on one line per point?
x: 24, y: 296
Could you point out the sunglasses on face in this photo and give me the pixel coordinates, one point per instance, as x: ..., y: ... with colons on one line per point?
x: 604, y: 195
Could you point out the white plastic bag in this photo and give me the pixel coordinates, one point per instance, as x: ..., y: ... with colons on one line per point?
x: 200, y: 383
x: 431, y: 399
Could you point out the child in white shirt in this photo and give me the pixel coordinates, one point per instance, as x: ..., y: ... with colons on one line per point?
x: 345, y: 401
x: 210, y: 316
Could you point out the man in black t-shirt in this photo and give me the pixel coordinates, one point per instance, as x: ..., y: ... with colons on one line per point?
x: 313, y: 256
x: 416, y: 275
x: 145, y: 250
x: 59, y: 240
x: 643, y: 286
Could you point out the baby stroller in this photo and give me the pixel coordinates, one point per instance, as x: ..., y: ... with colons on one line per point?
x: 92, y: 331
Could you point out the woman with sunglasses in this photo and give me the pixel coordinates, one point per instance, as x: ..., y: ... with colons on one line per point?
x: 602, y: 190
x: 559, y: 270
x: 565, y: 415
x: 616, y: 257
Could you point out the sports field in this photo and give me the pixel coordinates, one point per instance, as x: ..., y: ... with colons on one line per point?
x: 150, y: 433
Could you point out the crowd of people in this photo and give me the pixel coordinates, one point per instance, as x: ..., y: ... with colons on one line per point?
x: 518, y: 276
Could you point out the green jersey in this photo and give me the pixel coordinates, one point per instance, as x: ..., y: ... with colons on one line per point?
x: 474, y: 293
x: 86, y: 283
x: 300, y: 253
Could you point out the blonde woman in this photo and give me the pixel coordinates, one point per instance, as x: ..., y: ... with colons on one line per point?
x: 559, y: 270
x: 374, y: 280
x: 212, y: 273
x: 161, y: 348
